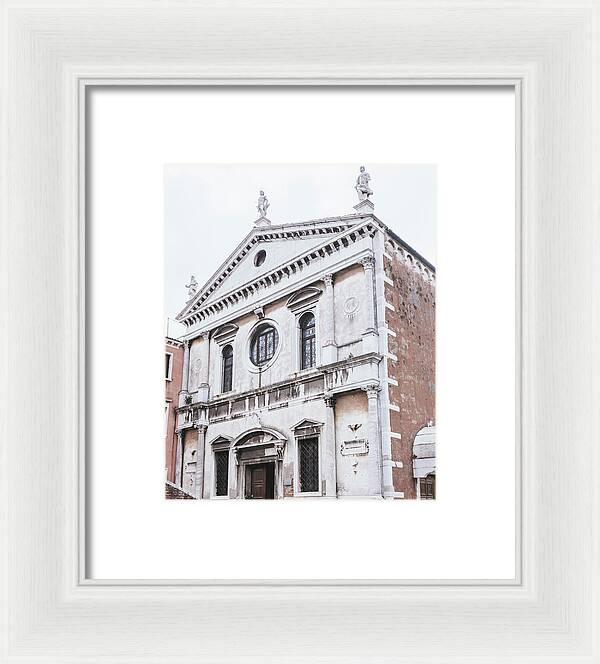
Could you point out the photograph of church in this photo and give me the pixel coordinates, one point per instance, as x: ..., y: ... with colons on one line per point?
x: 307, y: 361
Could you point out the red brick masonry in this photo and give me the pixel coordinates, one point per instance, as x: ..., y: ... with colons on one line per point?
x: 413, y: 320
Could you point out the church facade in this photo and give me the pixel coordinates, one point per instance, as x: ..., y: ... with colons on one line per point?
x: 309, y: 363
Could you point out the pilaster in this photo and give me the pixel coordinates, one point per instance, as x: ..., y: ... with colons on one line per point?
x: 185, y: 378
x: 232, y: 490
x: 329, y: 352
x: 329, y: 455
x: 370, y: 335
x: 199, y: 481
x: 373, y: 429
x: 203, y: 374
x: 209, y: 470
x: 179, y: 459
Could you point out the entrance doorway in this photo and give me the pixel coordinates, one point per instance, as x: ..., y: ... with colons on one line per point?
x: 261, y: 481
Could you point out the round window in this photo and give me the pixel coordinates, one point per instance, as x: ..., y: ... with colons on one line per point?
x: 259, y: 259
x: 263, y: 344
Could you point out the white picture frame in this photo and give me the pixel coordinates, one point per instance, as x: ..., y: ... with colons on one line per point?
x: 52, y: 53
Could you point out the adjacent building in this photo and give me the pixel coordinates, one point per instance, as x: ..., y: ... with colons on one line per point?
x: 173, y: 376
x: 308, y: 363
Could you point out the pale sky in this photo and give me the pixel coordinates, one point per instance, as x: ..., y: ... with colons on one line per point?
x: 209, y: 209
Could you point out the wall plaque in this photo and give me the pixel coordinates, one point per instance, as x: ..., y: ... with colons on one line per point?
x: 355, y: 447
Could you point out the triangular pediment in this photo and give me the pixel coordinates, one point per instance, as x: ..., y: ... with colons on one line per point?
x: 262, y: 251
x: 272, y: 253
x: 307, y: 424
x: 221, y: 440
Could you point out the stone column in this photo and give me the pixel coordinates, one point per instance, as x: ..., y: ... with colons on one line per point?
x: 232, y: 489
x: 328, y: 454
x: 203, y: 386
x: 279, y: 456
x: 209, y: 477
x: 185, y: 377
x: 369, y: 335
x: 329, y: 353
x: 199, y: 482
x: 374, y: 436
x: 179, y: 459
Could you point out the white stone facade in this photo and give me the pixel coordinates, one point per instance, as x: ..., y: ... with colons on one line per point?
x: 282, y: 429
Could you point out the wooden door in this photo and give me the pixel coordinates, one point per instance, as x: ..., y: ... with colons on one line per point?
x: 258, y: 482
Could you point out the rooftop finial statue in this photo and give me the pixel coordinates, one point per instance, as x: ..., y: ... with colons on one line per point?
x: 263, y: 204
x: 362, y: 185
x: 192, y: 286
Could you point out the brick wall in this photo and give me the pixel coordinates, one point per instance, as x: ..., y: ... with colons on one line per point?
x: 412, y: 295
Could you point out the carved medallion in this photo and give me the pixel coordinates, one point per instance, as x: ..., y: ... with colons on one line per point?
x: 351, y: 306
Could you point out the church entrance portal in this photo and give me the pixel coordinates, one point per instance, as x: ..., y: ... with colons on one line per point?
x: 258, y: 455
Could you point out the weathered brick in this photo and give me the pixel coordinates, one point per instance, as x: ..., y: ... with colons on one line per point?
x: 413, y: 321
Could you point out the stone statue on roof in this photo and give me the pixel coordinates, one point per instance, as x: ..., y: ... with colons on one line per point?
x: 263, y: 204
x: 192, y: 286
x: 362, y: 185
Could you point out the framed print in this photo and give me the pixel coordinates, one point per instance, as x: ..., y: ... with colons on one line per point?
x: 368, y: 430
x: 468, y: 135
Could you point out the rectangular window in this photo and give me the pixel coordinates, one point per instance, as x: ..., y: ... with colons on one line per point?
x: 168, y: 365
x: 308, y: 460
x: 308, y: 348
x: 228, y: 375
x: 270, y: 338
x: 222, y: 472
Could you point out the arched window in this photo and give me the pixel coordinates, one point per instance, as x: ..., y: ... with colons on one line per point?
x: 227, y: 369
x: 307, y: 341
x: 263, y: 345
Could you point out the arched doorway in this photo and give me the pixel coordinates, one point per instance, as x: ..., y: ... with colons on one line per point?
x: 258, y: 455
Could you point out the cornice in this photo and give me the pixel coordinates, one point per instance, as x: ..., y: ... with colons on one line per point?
x: 353, y: 361
x: 287, y: 291
x: 291, y: 380
x: 342, y: 238
x: 324, y: 226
